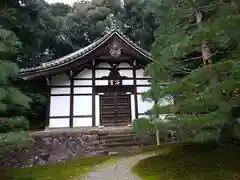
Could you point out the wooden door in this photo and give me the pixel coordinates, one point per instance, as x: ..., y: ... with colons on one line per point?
x: 115, y: 109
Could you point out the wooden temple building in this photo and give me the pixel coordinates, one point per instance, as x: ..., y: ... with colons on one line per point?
x: 98, y: 85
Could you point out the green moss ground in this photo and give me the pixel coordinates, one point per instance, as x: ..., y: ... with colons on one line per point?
x: 64, y: 171
x: 192, y: 162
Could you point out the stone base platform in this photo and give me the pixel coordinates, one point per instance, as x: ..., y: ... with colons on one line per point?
x: 58, y: 145
x: 86, y: 130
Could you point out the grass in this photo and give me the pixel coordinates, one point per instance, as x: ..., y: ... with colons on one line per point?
x: 64, y: 171
x: 192, y: 162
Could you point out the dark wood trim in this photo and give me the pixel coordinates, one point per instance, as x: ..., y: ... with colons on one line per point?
x: 110, y: 68
x: 69, y: 86
x: 100, y: 108
x: 77, y: 116
x: 60, y: 95
x: 88, y: 94
x: 135, y: 92
x: 143, y: 85
x: 93, y: 95
x: 71, y: 100
x: 100, y: 85
x: 111, y: 89
x: 77, y: 94
x: 123, y: 78
x: 83, y: 78
x: 48, y: 103
x: 60, y: 86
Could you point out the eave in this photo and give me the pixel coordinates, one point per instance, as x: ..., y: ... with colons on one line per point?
x: 66, y: 62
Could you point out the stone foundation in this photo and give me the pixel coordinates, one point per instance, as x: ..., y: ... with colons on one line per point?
x: 55, y: 146
x: 49, y: 147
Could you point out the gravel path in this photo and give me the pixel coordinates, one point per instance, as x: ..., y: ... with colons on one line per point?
x: 117, y: 170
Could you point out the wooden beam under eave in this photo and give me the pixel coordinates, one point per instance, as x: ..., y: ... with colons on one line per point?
x: 93, y: 94
x: 71, y: 98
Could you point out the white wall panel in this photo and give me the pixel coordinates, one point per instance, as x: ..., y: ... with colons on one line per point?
x: 61, y: 79
x: 127, y: 82
x: 97, y: 110
x: 82, y: 90
x: 100, y: 73
x: 101, y: 82
x: 142, y: 116
x: 59, y: 122
x: 65, y: 90
x: 103, y: 65
x: 126, y: 72
x: 140, y: 73
x: 82, y: 105
x: 133, y: 107
x: 86, y: 73
x: 83, y: 82
x: 82, y: 122
x: 124, y: 65
x: 143, y: 89
x: 166, y: 101
x: 143, y: 82
x: 143, y: 106
x: 59, y: 106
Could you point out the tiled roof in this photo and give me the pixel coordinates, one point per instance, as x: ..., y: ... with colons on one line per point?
x: 84, y: 51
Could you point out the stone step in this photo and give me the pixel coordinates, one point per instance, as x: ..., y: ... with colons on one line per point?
x: 115, y: 132
x: 118, y: 149
x: 117, y: 139
x: 117, y: 136
x: 122, y: 144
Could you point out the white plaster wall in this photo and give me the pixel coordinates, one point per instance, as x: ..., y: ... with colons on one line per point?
x: 97, y: 110
x: 59, y: 106
x: 126, y: 72
x: 82, y: 105
x: 143, y: 116
x: 59, y: 122
x: 143, y: 106
x: 86, y: 73
x: 103, y: 65
x: 140, y: 73
x: 83, y: 82
x: 124, y: 65
x: 133, y: 107
x: 82, y: 122
x: 166, y: 101
x: 101, y: 82
x: 143, y: 82
x: 61, y: 80
x: 127, y: 82
x: 65, y: 90
x: 142, y: 89
x: 101, y: 72
x: 82, y: 90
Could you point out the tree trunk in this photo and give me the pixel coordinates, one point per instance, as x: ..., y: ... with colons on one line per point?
x: 157, y: 137
x: 206, y: 53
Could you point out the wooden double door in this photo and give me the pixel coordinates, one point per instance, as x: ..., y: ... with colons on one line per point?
x: 115, y: 109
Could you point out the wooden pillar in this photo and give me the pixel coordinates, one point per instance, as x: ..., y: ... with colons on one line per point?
x: 48, y: 85
x: 71, y: 99
x: 135, y: 89
x: 93, y: 95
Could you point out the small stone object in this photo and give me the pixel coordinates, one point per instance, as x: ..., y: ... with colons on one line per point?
x: 113, y: 153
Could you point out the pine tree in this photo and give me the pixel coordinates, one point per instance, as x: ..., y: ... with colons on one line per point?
x: 13, y: 103
x: 196, y: 56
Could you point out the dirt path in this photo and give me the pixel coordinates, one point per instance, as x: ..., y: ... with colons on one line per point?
x: 117, y: 170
